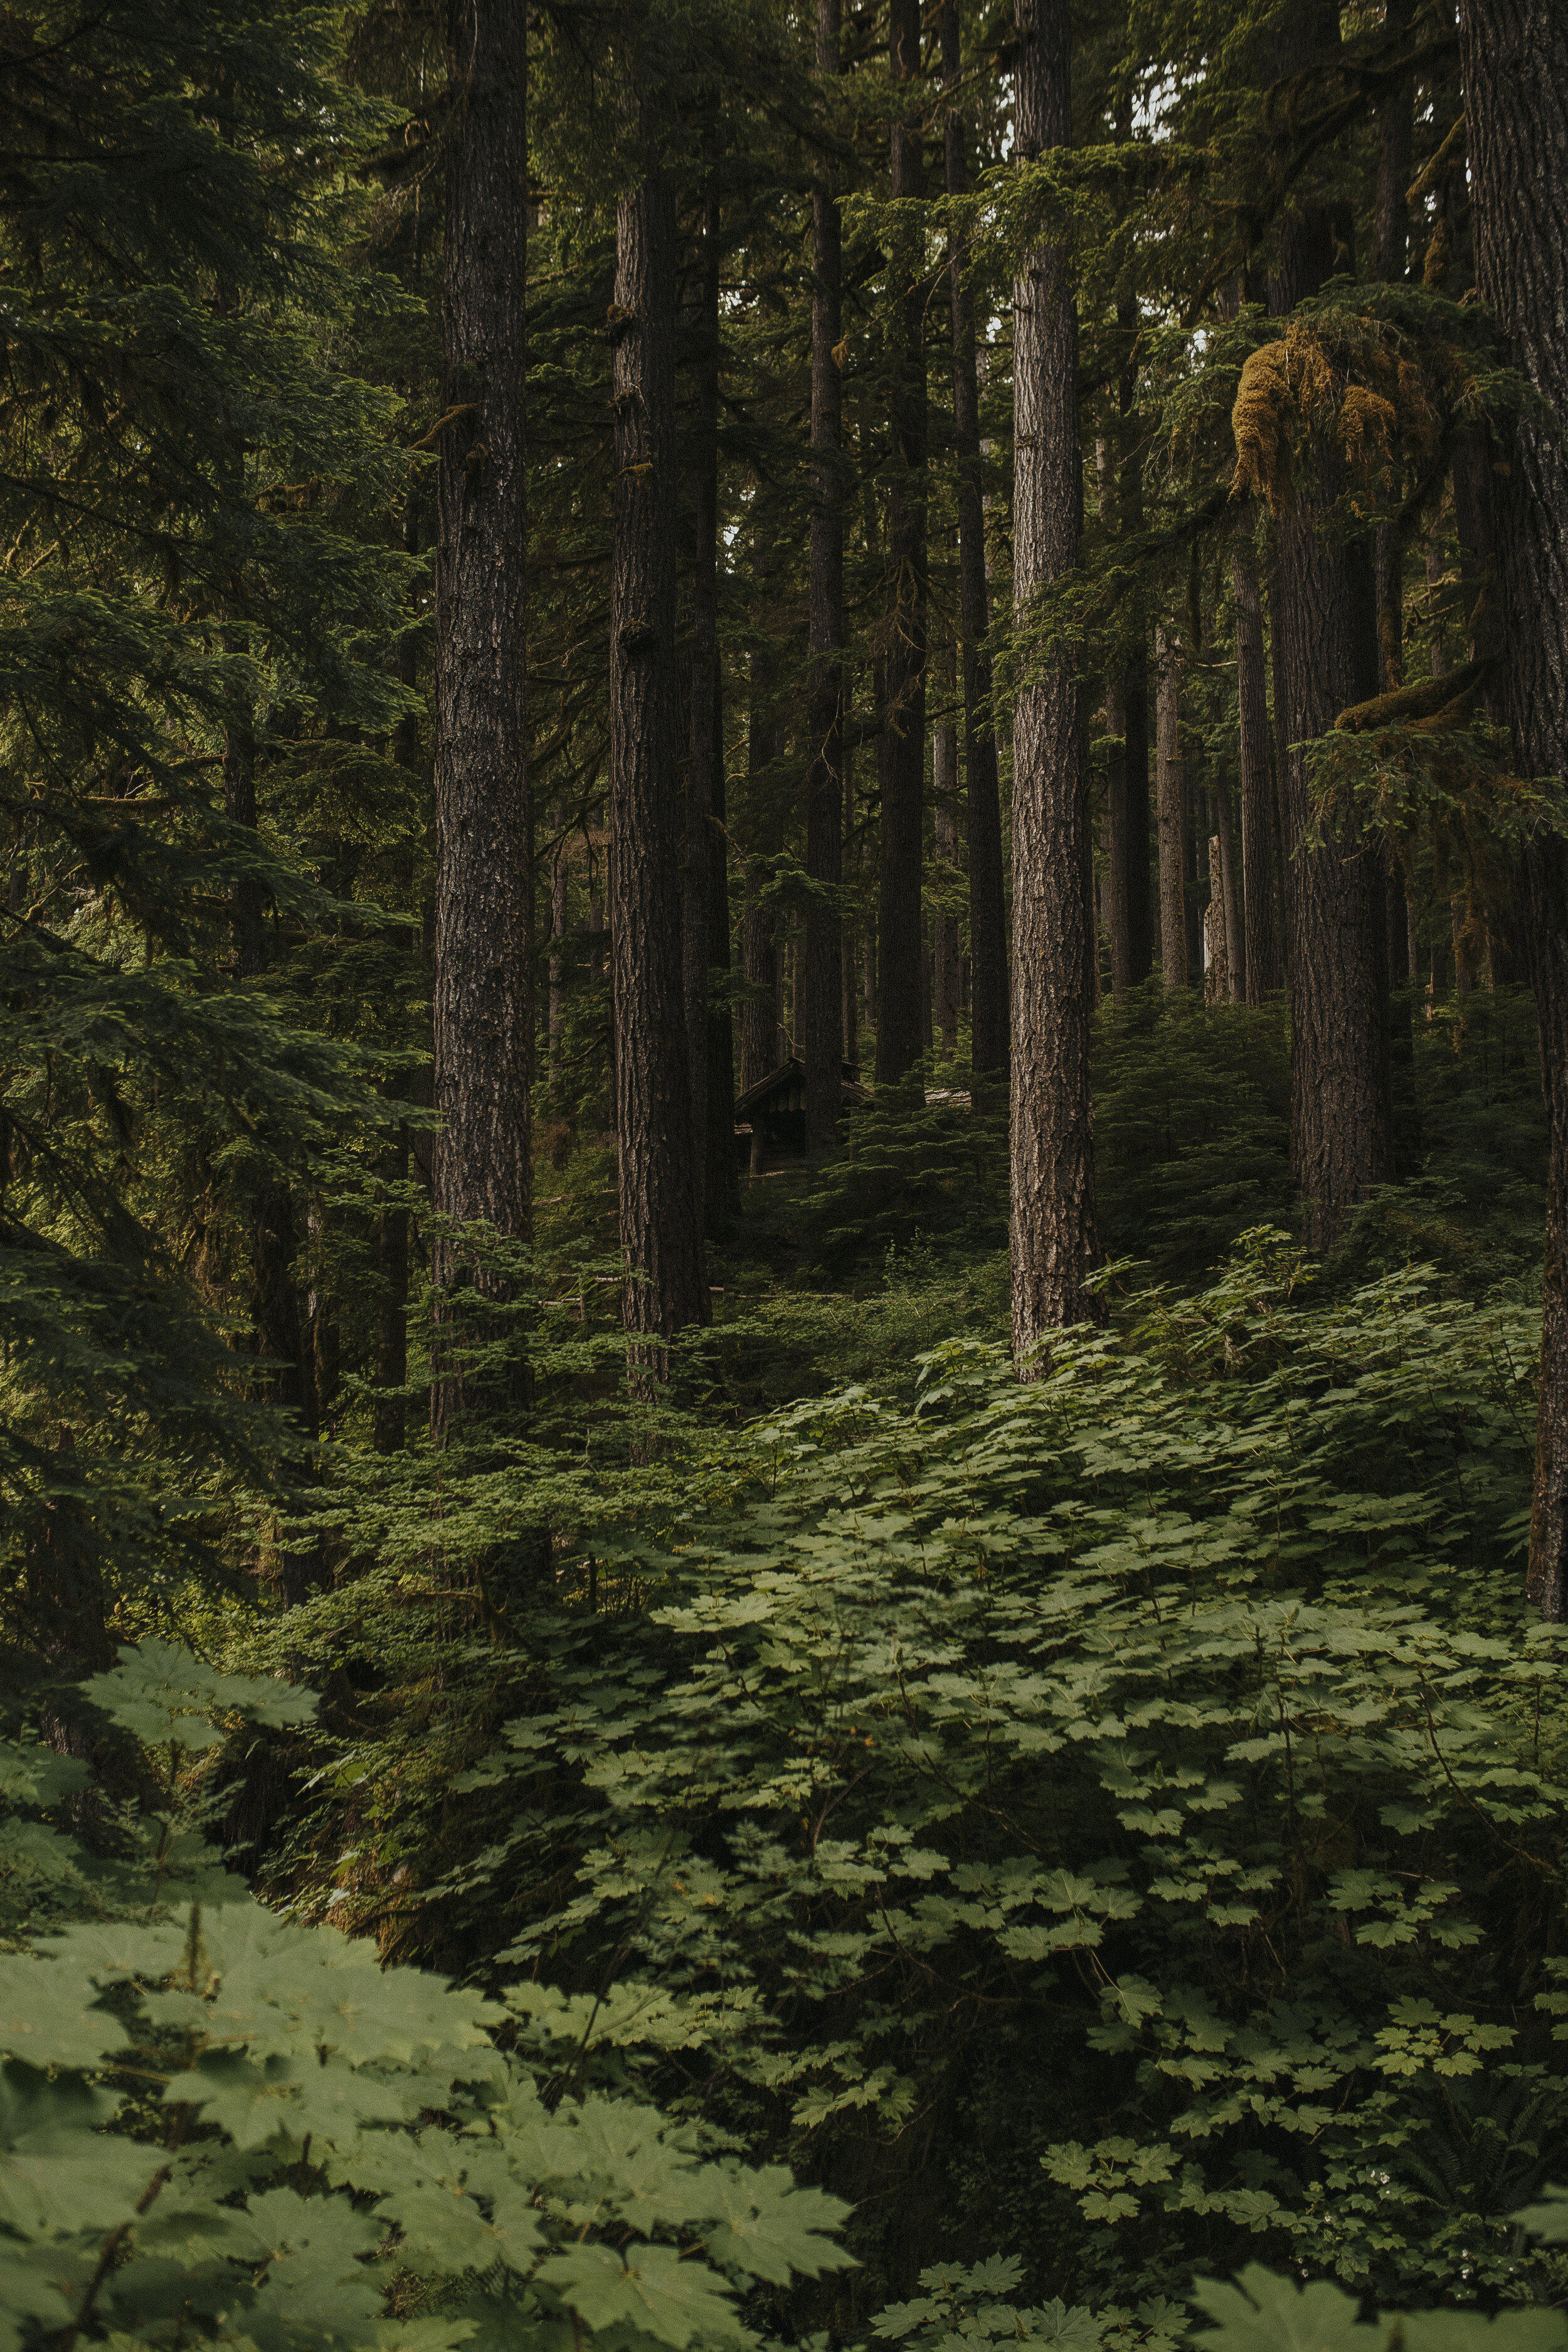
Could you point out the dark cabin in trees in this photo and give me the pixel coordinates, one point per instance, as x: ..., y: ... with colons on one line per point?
x: 770, y: 1116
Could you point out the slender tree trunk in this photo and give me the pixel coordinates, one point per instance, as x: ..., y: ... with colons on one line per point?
x: 1171, y: 794
x: 822, y: 1040
x: 849, y: 945
x: 1053, y: 1235
x: 1390, y: 233
x: 558, y: 923
x: 661, y: 1235
x: 705, y: 783
x: 484, y: 898
x: 900, y: 1025
x: 389, y: 1415
x: 987, y: 903
x: 1514, y: 55
x: 1264, y: 974
x: 762, y: 1041
x: 1132, y: 914
x: 944, y: 814
x: 721, y: 1188
x: 1235, y: 934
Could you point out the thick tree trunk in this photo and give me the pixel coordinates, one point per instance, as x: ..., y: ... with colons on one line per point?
x: 822, y: 1040
x: 1171, y: 799
x: 661, y: 1236
x: 484, y: 899
x: 1514, y: 55
x: 1324, y: 619
x: 1053, y: 1236
x: 900, y: 1027
x: 987, y: 903
x: 1341, y: 1140
x: 1263, y: 960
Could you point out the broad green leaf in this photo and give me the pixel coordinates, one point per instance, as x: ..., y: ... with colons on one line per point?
x: 654, y: 2292
x: 47, y: 2017
x: 769, y: 2228
x: 163, y: 1696
x: 1264, y: 2314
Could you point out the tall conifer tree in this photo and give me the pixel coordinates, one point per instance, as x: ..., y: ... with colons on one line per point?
x: 661, y: 1240
x: 1053, y: 1236
x: 484, y: 885
x: 822, y: 1044
x: 900, y: 972
x: 1515, y: 59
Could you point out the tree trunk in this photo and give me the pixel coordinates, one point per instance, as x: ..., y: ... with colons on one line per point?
x: 389, y: 1414
x: 988, y: 905
x: 849, y: 946
x: 1132, y: 914
x: 1171, y: 793
x: 661, y: 1237
x: 900, y: 1026
x: 944, y: 814
x: 822, y: 1039
x: 558, y: 922
x: 722, y: 1184
x: 1235, y: 936
x: 761, y: 1041
x: 1325, y: 619
x: 484, y: 899
x: 705, y: 784
x: 1053, y: 1236
x: 1390, y: 233
x: 1514, y: 55
x: 1262, y: 959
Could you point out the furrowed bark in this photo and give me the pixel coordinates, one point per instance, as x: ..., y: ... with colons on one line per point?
x: 822, y: 1041
x: 988, y: 904
x: 1053, y: 1235
x: 1325, y: 624
x: 661, y: 1242
x: 900, y: 1026
x: 484, y: 902
x: 1514, y: 57
x: 1261, y: 916
x: 704, y: 782
x: 1171, y: 797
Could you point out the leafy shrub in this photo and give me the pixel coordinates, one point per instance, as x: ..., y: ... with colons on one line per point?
x: 1113, y: 1814
x: 217, y: 2125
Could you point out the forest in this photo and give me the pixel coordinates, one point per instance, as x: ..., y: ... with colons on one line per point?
x: 783, y: 1175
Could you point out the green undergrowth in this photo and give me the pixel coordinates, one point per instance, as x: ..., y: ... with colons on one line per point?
x: 1115, y: 1820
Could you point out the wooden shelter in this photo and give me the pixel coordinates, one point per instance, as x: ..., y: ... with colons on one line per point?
x: 770, y: 1116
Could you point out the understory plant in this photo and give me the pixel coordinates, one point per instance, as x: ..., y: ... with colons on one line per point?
x: 1115, y: 1819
